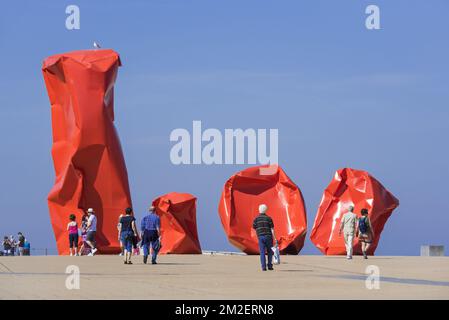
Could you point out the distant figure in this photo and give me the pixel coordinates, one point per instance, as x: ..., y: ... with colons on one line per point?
x: 348, y: 226
x: 119, y: 236
x: 6, y: 246
x: 72, y: 228
x: 26, y: 248
x: 150, y: 228
x: 263, y: 224
x: 20, y: 243
x: 84, y: 249
x: 366, y: 233
x: 91, y: 229
x: 127, y: 232
x: 13, y: 243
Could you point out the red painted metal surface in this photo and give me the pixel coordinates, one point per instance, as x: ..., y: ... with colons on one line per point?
x: 357, y: 188
x: 88, y: 159
x: 240, y: 200
x: 178, y: 223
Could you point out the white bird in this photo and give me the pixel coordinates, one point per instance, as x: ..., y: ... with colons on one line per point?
x: 96, y: 45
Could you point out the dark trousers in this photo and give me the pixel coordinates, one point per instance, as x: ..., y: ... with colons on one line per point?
x: 150, y: 238
x: 265, y: 244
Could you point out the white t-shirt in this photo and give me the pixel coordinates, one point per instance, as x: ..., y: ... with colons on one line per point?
x: 93, y: 222
x: 349, y: 221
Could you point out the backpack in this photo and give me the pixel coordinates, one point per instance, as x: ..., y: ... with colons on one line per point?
x: 363, y: 225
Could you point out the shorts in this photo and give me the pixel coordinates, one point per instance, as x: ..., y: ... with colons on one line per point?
x: 90, y: 236
x: 73, y: 240
x: 364, y: 237
x: 127, y: 240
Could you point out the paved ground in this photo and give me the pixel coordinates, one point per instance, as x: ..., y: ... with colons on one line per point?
x: 224, y: 277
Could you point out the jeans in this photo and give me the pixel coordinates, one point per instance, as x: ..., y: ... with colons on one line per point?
x: 127, y: 240
x: 265, y: 244
x: 349, y: 238
x: 150, y: 238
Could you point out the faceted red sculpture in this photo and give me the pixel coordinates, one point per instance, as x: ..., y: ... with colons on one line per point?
x: 357, y: 188
x: 88, y: 160
x: 178, y: 223
x: 239, y: 205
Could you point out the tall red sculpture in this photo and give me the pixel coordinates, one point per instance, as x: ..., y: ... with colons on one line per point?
x: 240, y: 200
x: 177, y: 212
x: 357, y: 188
x: 87, y: 156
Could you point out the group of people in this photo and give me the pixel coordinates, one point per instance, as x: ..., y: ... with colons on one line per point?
x: 12, y: 247
x: 128, y: 235
x: 87, y: 231
x: 351, y: 226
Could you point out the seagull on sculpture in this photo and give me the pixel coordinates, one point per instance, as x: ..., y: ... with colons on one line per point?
x: 96, y: 45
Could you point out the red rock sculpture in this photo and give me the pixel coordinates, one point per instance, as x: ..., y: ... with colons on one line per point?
x: 240, y: 200
x: 357, y: 188
x: 88, y: 159
x: 178, y: 223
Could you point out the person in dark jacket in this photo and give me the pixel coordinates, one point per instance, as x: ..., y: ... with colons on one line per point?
x: 264, y: 226
x: 127, y: 232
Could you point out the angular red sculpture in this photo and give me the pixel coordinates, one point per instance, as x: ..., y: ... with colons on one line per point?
x: 88, y: 160
x: 239, y: 205
x: 178, y: 223
x: 357, y: 188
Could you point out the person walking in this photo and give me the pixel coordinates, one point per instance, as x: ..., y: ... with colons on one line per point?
x: 150, y: 228
x: 6, y: 246
x: 119, y: 236
x: 264, y: 226
x: 127, y: 232
x: 13, y: 243
x: 365, y: 232
x: 72, y: 228
x: 348, y: 227
x: 20, y: 243
x: 91, y: 228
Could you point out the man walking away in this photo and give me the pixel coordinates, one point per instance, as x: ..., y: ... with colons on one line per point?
x: 263, y: 224
x: 20, y: 243
x: 348, y: 226
x: 91, y: 230
x: 128, y: 230
x: 150, y: 234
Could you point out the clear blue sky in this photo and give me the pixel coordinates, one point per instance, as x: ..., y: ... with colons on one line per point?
x: 341, y: 95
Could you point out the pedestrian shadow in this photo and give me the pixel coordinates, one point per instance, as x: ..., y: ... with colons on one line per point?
x: 294, y: 270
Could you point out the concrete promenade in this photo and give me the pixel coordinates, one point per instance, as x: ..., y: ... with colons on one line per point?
x: 223, y: 277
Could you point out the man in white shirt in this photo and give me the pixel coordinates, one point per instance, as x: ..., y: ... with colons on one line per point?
x: 91, y: 230
x: 348, y: 226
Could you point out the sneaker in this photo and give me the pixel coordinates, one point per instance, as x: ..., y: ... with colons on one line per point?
x: 125, y: 262
x: 90, y: 254
x: 264, y: 269
x: 129, y: 262
x: 349, y: 258
x: 71, y: 254
x: 121, y: 254
x: 145, y: 259
x: 153, y: 262
x: 270, y: 268
x: 94, y: 250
